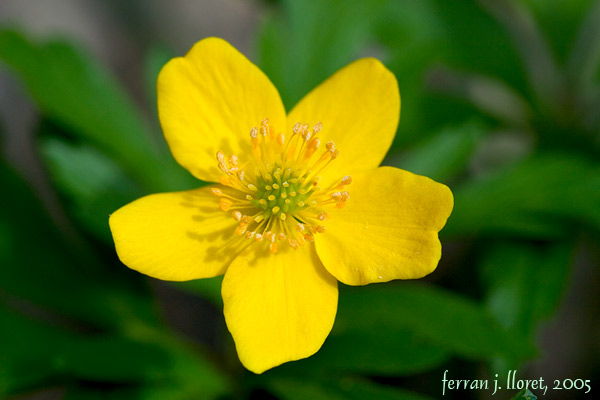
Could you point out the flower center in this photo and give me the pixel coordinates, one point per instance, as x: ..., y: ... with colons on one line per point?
x: 276, y: 195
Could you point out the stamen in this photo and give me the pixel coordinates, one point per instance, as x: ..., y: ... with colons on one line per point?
x: 275, y: 193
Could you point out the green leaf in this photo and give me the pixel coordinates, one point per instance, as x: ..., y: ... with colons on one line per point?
x: 156, y: 57
x: 345, y: 388
x: 28, y: 360
x: 541, y: 197
x: 42, y: 267
x: 490, y: 96
x: 63, y: 355
x: 93, y: 184
x: 444, y: 155
x: 525, y: 283
x: 209, y: 288
x: 353, y: 349
x: 445, y: 319
x: 541, y: 67
x: 71, y: 89
x: 584, y: 58
x: 311, y: 40
x: 170, y: 391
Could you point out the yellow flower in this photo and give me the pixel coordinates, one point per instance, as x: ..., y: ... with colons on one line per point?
x: 298, y: 201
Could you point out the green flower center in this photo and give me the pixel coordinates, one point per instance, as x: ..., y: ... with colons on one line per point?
x: 280, y: 195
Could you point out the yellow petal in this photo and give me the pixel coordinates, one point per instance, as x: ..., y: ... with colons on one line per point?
x: 388, y: 229
x: 209, y: 100
x: 359, y: 107
x: 176, y: 236
x: 278, y: 307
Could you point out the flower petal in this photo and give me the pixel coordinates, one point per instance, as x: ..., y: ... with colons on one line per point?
x: 278, y: 307
x: 388, y: 229
x: 209, y: 100
x: 176, y: 236
x: 359, y: 107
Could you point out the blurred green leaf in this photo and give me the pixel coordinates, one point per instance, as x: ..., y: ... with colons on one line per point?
x: 209, y: 288
x: 156, y: 58
x: 525, y: 283
x: 490, y: 96
x: 94, y: 186
x: 345, y: 388
x: 445, y: 319
x: 395, y: 353
x: 170, y: 391
x: 33, y: 353
x: 542, y: 70
x: 560, y: 21
x: 541, y: 197
x: 73, y: 90
x: 444, y: 155
x: 584, y: 59
x: 42, y: 267
x: 311, y: 40
x: 525, y: 394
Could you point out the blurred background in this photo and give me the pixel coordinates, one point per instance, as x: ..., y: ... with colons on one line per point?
x: 500, y: 101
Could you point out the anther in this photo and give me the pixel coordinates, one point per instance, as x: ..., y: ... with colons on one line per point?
x: 281, y: 186
x: 317, y: 128
x: 241, y: 229
x: 296, y: 128
x: 224, y: 204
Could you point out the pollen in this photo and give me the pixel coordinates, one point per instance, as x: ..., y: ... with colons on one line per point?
x: 275, y: 191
